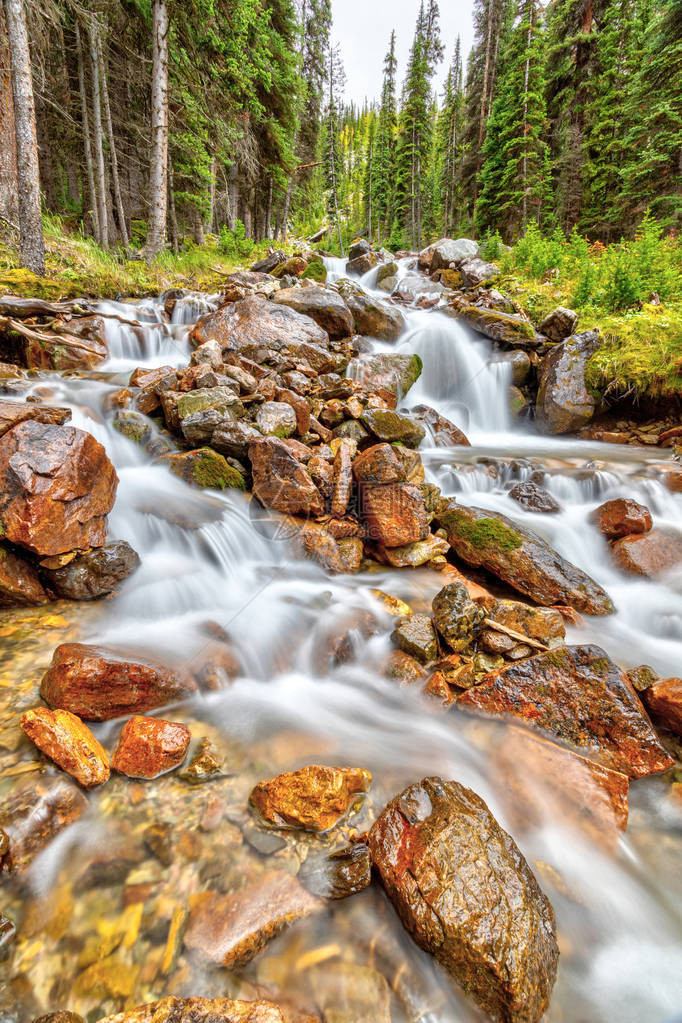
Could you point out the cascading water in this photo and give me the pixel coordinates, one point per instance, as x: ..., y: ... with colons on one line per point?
x: 212, y: 573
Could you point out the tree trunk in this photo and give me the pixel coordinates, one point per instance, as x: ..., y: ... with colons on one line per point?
x: 197, y: 226
x: 100, y: 169
x: 9, y: 198
x: 106, y: 106
x: 232, y: 198
x: 87, y: 144
x: 31, y: 241
x: 210, y: 217
x: 268, y: 211
x: 172, y: 215
x: 287, y: 205
x: 158, y: 177
x: 524, y: 211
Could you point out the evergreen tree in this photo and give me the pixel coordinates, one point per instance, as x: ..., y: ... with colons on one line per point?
x: 384, y: 161
x: 449, y: 149
x: 333, y: 156
x: 514, y: 153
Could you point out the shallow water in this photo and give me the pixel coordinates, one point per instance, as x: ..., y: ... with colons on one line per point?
x: 97, y: 919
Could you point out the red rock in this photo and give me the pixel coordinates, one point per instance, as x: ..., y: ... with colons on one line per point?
x: 622, y: 517
x: 466, y: 894
x: 579, y: 695
x: 19, y: 581
x: 57, y: 487
x: 378, y: 464
x: 229, y: 930
x: 663, y: 700
x: 65, y: 739
x: 98, y: 684
x: 148, y: 747
x: 648, y: 554
x: 35, y: 814
x: 280, y: 481
x: 445, y: 434
x: 395, y: 513
x: 14, y: 412
x: 314, y: 798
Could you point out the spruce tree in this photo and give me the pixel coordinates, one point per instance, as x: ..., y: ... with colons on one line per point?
x: 333, y: 156
x: 383, y: 180
x: 449, y: 146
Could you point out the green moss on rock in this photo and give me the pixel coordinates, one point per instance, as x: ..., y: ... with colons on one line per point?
x: 315, y: 271
x: 483, y: 534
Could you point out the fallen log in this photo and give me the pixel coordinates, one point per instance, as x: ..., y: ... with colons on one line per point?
x: 14, y: 305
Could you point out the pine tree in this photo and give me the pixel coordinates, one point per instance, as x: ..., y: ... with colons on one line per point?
x: 384, y: 161
x: 333, y: 157
x: 513, y: 175
x: 449, y: 148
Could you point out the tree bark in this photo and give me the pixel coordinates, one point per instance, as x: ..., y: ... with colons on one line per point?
x: 9, y: 198
x: 31, y: 241
x: 158, y: 178
x: 106, y: 106
x: 97, y: 138
x: 87, y: 142
x: 197, y: 226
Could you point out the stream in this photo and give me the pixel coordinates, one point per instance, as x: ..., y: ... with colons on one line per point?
x: 95, y: 927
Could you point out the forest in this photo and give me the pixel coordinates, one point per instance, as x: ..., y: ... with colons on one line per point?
x: 153, y: 123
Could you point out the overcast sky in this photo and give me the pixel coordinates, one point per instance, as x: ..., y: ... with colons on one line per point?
x: 363, y: 28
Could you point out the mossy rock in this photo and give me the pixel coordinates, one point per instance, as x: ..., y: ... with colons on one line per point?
x: 206, y: 469
x: 133, y: 425
x: 315, y: 271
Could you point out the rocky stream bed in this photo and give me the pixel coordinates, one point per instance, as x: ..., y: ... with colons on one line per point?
x: 341, y: 630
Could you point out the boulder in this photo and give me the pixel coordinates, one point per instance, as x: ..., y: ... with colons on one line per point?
x: 663, y: 700
x: 338, y: 874
x: 416, y: 635
x: 291, y: 268
x: 520, y: 365
x: 206, y: 469
x: 229, y: 930
x: 444, y: 433
x: 579, y: 695
x: 648, y: 554
x: 395, y: 514
x: 222, y: 399
x: 64, y: 738
x: 379, y: 464
x: 621, y: 518
x: 521, y: 558
x: 418, y: 289
x: 534, y: 498
x: 559, y: 324
x: 505, y: 328
x: 323, y: 305
x: 100, y: 684
x: 253, y: 325
x: 372, y: 318
x: 203, y: 1010
x: 276, y: 419
x: 57, y: 487
x: 457, y: 618
x: 280, y: 481
x: 466, y: 894
x: 265, y: 265
x: 359, y: 248
x: 363, y: 263
x: 14, y: 412
x: 476, y: 271
x: 32, y: 815
x: 133, y: 425
x: 233, y: 439
x: 313, y: 798
x: 148, y: 747
x: 94, y: 573
x: 394, y: 373
x: 447, y: 252
x: 393, y: 427
x: 564, y: 402
x: 20, y: 583
x: 386, y: 270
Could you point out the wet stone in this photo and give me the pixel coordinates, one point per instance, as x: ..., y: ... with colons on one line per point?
x: 621, y: 518
x: 314, y: 798
x: 417, y: 636
x: 148, y: 747
x: 338, y: 874
x: 204, y: 1010
x: 65, y: 739
x: 534, y: 498
x: 95, y: 573
x: 8, y: 933
x: 205, y: 765
x: 265, y: 842
x: 35, y: 814
x: 648, y: 554
x: 663, y: 700
x: 392, y: 427
x: 457, y: 618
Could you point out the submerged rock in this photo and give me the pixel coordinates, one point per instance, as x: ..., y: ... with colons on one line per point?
x: 57, y: 487
x: 466, y: 894
x: 564, y: 403
x: 314, y: 798
x: 229, y: 930
x: 621, y: 518
x: 326, y: 307
x: 94, y: 573
x: 521, y: 558
x: 649, y: 554
x: 205, y: 765
x: 579, y: 695
x: 36, y: 813
x: 64, y: 738
x: 148, y: 747
x: 338, y: 874
x: 99, y: 684
x: 534, y: 498
x: 202, y: 1010
x: 457, y: 618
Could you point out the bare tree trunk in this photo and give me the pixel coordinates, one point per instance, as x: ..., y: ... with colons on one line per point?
x: 172, y: 215
x: 287, y: 206
x: 233, y: 198
x: 31, y: 241
x: 197, y: 226
x: 268, y: 211
x: 97, y: 139
x: 158, y: 178
x: 210, y: 217
x: 87, y: 144
x: 9, y: 198
x: 106, y: 106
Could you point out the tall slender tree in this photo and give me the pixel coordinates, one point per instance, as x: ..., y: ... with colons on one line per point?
x: 333, y: 156
x: 158, y: 197
x: 383, y: 180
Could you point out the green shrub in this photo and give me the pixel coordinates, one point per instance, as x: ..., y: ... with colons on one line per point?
x: 234, y: 243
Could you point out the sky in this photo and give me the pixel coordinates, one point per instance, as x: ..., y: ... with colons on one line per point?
x: 363, y: 29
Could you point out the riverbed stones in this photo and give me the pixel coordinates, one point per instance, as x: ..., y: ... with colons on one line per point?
x: 204, y: 1010
x: 393, y: 427
x: 99, y: 684
x: 413, y: 555
x: 323, y: 305
x: 543, y: 624
x: 314, y: 798
x: 417, y: 636
x: 579, y: 695
x: 649, y: 554
x: 372, y: 318
x: 444, y: 433
x: 14, y: 412
x: 94, y: 573
x: 663, y: 700
x: 148, y: 747
x: 338, y: 874
x: 559, y: 324
x: 276, y: 419
x: 466, y: 894
x: 64, y: 738
x: 458, y: 619
x: 34, y: 814
x: 57, y: 487
x: 280, y: 481
x: 534, y: 498
x: 521, y: 558
x: 233, y: 439
x: 394, y: 514
x: 565, y: 403
x: 229, y: 930
x: 387, y: 370
x: 20, y: 583
x: 622, y: 517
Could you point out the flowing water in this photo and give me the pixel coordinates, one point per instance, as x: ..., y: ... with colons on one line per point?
x: 95, y: 936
